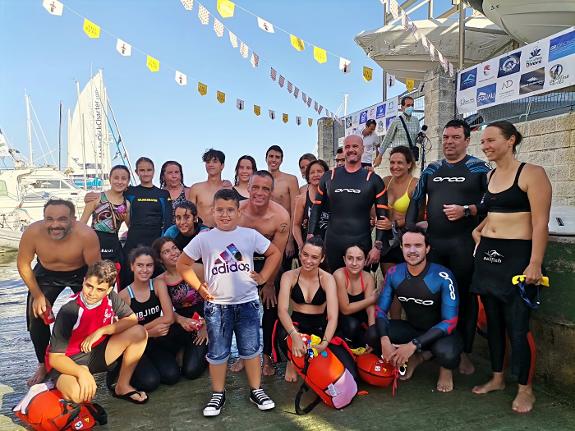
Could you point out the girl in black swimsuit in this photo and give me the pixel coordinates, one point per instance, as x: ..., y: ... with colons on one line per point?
x: 311, y: 293
x: 245, y: 167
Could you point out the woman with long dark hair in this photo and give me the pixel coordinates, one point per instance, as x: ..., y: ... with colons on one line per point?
x: 245, y: 167
x: 172, y: 180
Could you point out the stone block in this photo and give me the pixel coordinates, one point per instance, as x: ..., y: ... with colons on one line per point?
x: 542, y: 126
x: 563, y: 189
x: 565, y: 122
x: 565, y: 155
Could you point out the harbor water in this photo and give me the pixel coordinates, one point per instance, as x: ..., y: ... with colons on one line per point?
x: 417, y: 405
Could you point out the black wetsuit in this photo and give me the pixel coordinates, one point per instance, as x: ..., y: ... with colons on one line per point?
x: 430, y: 303
x: 461, y: 183
x: 323, y: 218
x: 150, y: 215
x: 51, y: 284
x: 349, y: 197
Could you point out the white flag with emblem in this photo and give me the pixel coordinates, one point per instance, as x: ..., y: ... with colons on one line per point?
x: 203, y: 15
x: 240, y: 104
x: 344, y: 65
x: 181, y: 78
x: 124, y: 48
x: 54, y: 7
x: 187, y: 4
x: 265, y: 26
x: 254, y: 60
x: 218, y: 27
x: 244, y: 50
x: 233, y: 39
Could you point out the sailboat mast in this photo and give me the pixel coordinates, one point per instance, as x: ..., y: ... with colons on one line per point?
x: 29, y: 128
x: 60, y: 137
x: 82, y: 137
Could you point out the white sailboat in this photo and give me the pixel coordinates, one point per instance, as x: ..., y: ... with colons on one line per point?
x: 93, y: 137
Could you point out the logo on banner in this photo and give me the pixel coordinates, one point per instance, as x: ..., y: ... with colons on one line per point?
x: 535, y: 57
x: 509, y: 64
x: 348, y: 122
x: 380, y: 111
x: 388, y: 122
x: 362, y: 117
x: 562, y: 46
x: 468, y: 79
x: 532, y: 81
x: 488, y: 71
x: 464, y: 101
x: 557, y: 76
x: 486, y: 95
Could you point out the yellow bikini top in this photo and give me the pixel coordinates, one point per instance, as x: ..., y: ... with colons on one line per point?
x: 401, y: 204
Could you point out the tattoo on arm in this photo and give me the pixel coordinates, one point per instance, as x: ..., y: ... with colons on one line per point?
x: 283, y: 227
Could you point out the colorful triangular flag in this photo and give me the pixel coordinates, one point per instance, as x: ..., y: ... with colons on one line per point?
x: 304, y: 97
x: 124, y: 48
x: 257, y: 110
x: 285, y: 117
x: 309, y: 100
x: 54, y: 7
x: 410, y: 84
x: 390, y: 80
x: 320, y: 109
x: 187, y: 4
x: 202, y: 88
x: 310, y: 122
x: 367, y: 73
x: 181, y: 78
x: 272, y: 114
x: 221, y: 96
x: 91, y: 29
x: 254, y: 60
x: 319, y: 54
x: 218, y: 27
x: 226, y: 8
x: 315, y: 106
x: 297, y: 43
x: 296, y: 92
x: 233, y: 39
x: 265, y: 26
x: 344, y: 65
x: 281, y: 81
x: 273, y: 74
x: 289, y: 87
x: 203, y: 15
x: 240, y: 104
x: 244, y: 50
x: 298, y: 121
x: 152, y: 63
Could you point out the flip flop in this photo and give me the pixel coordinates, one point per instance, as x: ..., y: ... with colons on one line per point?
x: 128, y: 397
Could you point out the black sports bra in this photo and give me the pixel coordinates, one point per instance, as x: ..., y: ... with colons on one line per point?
x: 297, y: 295
x: 512, y: 200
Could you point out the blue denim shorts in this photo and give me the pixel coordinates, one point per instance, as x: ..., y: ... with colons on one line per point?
x: 240, y: 319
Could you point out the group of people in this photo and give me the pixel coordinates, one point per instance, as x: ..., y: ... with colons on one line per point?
x: 200, y: 262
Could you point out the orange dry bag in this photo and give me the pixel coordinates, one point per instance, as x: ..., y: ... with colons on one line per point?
x: 377, y: 372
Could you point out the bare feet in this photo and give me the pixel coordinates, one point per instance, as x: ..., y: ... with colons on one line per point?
x: 291, y: 373
x: 415, y: 360
x: 237, y: 366
x: 466, y: 366
x: 38, y: 376
x: 497, y: 383
x: 268, y: 368
x: 523, y: 402
x: 445, y: 380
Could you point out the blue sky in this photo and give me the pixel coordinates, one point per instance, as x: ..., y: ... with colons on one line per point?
x: 45, y: 55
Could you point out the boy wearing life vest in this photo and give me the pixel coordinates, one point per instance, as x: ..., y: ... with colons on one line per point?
x: 231, y: 295
x: 92, y: 330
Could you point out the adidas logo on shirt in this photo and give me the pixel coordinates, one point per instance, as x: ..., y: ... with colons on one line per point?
x: 230, y: 260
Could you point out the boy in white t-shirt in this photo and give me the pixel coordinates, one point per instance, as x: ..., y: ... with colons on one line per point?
x: 231, y: 295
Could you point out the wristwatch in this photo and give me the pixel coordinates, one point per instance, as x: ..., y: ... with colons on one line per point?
x: 466, y: 211
x: 417, y: 344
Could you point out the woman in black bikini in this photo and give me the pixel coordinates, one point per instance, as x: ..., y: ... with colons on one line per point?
x: 311, y: 293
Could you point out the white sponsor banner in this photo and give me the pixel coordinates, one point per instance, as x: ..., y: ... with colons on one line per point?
x: 383, y: 113
x: 539, y: 67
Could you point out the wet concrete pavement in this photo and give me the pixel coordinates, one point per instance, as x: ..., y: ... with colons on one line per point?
x: 417, y: 406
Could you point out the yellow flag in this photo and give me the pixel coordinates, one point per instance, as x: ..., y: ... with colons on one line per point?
x: 91, y: 29
x: 367, y: 73
x: 310, y: 122
x: 257, y: 110
x: 221, y: 96
x: 226, y: 8
x: 296, y: 42
x: 152, y: 63
x: 202, y: 89
x: 410, y: 84
x: 319, y: 54
x: 285, y: 118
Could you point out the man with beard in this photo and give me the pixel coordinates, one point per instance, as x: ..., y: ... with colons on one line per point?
x: 348, y: 193
x: 64, y: 249
x: 272, y: 221
x: 453, y: 188
x: 428, y: 295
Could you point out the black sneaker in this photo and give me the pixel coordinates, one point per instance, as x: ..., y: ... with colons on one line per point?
x: 259, y: 397
x: 214, y: 406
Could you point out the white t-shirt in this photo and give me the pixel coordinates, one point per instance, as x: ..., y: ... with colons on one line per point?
x: 369, y: 142
x: 228, y: 261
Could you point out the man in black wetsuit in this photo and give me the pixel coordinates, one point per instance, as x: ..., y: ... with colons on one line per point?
x: 454, y: 187
x: 428, y: 294
x: 350, y: 192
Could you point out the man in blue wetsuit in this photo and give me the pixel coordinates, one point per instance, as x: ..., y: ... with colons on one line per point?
x: 428, y: 294
x: 453, y: 188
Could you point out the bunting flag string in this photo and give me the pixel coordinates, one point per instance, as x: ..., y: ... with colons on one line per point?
x: 125, y: 49
x: 320, y: 54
